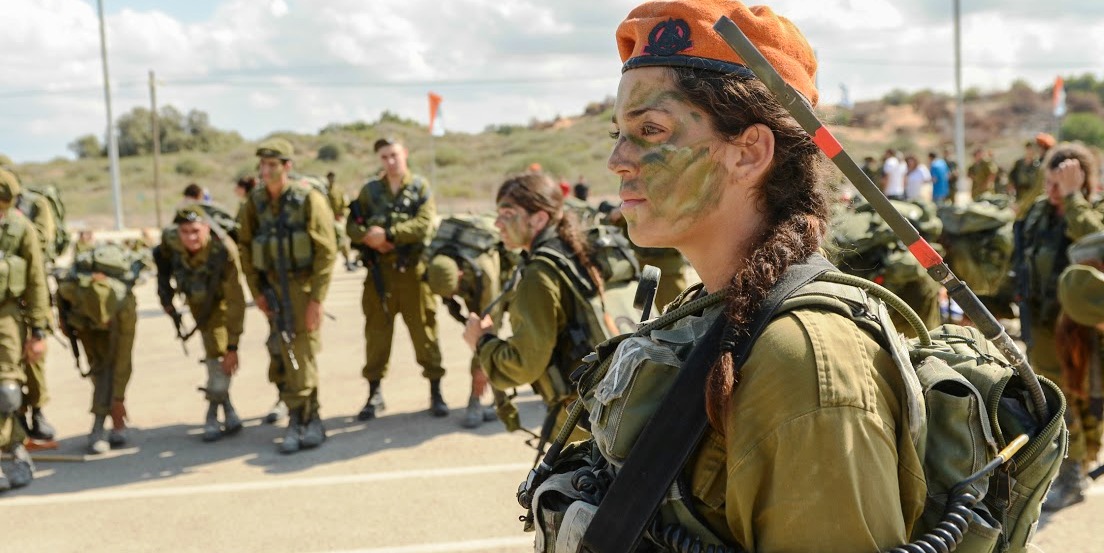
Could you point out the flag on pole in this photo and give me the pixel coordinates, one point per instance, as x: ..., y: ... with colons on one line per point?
x: 436, y: 121
x: 1059, y: 97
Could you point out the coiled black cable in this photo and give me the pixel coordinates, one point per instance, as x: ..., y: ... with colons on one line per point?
x: 946, y: 535
x: 676, y: 538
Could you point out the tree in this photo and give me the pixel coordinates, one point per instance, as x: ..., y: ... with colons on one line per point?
x: 87, y: 147
x: 1086, y: 127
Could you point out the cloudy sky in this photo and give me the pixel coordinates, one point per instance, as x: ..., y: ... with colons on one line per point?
x: 263, y: 65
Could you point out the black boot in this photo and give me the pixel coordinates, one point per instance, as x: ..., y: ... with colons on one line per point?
x: 375, y: 405
x: 437, y: 406
x: 231, y: 422
x: 40, y: 428
x: 313, y: 432
x: 22, y: 469
x: 1068, y: 489
x: 293, y: 435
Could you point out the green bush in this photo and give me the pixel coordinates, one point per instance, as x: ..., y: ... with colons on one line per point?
x: 1086, y: 127
x: 191, y: 167
x: 329, y: 152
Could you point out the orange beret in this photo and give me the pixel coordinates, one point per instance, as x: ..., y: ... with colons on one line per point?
x: 1045, y: 140
x: 680, y: 33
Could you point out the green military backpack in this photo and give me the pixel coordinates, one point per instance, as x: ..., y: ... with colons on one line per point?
x: 26, y: 204
x: 465, y: 236
x: 978, y: 242
x: 89, y: 301
x: 226, y: 221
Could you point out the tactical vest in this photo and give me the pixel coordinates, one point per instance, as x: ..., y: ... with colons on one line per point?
x: 467, y: 239
x: 402, y: 208
x: 13, y: 267
x: 201, y: 285
x: 282, y: 237
x: 1044, y: 252
x: 600, y: 315
x: 962, y: 404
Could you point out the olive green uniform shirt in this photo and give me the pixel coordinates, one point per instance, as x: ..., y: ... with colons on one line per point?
x: 816, y: 453
x: 982, y: 175
x: 229, y: 309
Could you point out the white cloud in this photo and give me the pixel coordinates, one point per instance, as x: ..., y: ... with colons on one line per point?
x: 301, y: 64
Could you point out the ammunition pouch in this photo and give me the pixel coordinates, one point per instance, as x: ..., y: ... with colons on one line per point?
x: 298, y: 250
x: 564, y: 504
x: 13, y: 277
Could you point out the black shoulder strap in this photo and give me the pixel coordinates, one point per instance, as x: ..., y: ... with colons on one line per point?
x: 676, y: 427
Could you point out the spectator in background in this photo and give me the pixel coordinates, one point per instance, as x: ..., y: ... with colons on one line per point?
x: 193, y: 192
x: 582, y: 189
x: 893, y: 175
x: 872, y: 170
x: 917, y: 180
x: 940, y: 176
x: 952, y: 173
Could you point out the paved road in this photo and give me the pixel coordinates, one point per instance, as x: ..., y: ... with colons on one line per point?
x: 406, y: 483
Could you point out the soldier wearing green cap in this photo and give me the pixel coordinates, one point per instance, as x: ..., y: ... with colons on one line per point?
x: 24, y: 320
x: 288, y: 248
x: 389, y: 222
x: 204, y: 268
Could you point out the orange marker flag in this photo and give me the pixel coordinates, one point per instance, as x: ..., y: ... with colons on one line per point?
x: 434, y: 115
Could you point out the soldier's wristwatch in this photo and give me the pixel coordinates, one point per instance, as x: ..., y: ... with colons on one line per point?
x: 232, y: 347
x: 38, y: 333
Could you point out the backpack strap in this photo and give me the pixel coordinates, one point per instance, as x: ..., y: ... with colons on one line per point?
x: 677, y: 426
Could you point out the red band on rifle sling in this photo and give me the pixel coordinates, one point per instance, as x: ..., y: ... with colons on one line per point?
x: 827, y: 143
x: 924, y: 253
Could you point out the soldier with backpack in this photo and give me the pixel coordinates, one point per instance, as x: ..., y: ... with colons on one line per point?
x: 389, y: 223
x: 553, y: 326
x: 774, y: 407
x: 1053, y: 222
x: 198, y: 261
x: 97, y: 307
x: 468, y: 263
x: 24, y: 321
x: 43, y: 207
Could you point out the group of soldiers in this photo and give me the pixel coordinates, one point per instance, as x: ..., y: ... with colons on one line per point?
x: 1014, y: 250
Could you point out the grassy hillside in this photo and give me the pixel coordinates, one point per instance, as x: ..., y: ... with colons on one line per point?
x: 469, y: 167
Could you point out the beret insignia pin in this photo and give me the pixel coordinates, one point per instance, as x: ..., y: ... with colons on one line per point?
x: 669, y: 38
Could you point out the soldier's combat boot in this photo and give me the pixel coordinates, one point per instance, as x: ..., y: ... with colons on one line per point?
x: 40, y: 428
x: 292, y: 436
x: 232, y: 423
x: 5, y: 484
x: 313, y: 433
x: 118, y: 436
x: 211, y: 428
x: 97, y: 439
x: 473, y: 415
x: 375, y: 405
x: 437, y: 406
x: 489, y: 413
x: 1068, y: 489
x: 277, y: 413
x: 22, y: 469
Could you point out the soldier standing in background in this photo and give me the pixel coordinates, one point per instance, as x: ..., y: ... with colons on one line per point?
x: 205, y: 271
x: 339, y: 204
x: 287, y: 251
x: 25, y: 300
x: 1022, y: 176
x: 37, y: 209
x: 389, y: 222
x: 983, y: 174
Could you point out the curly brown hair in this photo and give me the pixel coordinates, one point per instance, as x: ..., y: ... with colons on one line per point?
x: 793, y: 199
x: 535, y: 192
x: 1075, y: 150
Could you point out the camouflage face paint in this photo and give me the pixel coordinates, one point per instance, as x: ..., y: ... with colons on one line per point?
x: 676, y: 171
x: 513, y: 223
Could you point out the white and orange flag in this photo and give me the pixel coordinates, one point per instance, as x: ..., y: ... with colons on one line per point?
x: 436, y: 121
x: 1059, y: 97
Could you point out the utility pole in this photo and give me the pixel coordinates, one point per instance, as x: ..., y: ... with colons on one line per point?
x: 156, y: 148
x: 112, y: 144
x: 960, y: 105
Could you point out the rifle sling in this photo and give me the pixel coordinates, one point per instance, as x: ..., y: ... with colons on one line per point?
x: 676, y: 427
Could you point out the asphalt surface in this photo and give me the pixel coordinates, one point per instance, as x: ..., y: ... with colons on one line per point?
x: 406, y: 482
